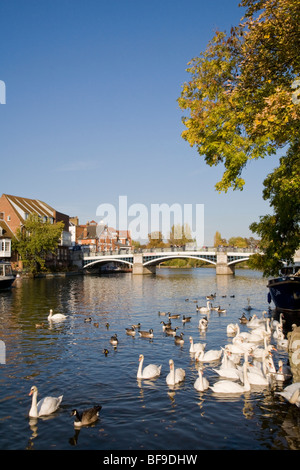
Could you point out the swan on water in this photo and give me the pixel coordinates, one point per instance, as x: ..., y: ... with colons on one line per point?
x: 204, y: 309
x: 195, y: 347
x: 291, y: 393
x: 149, y: 372
x: 56, y: 316
x: 231, y: 387
x: 209, y: 356
x: 203, y: 324
x: 45, y: 406
x: 283, y: 373
x: 175, y: 376
x: 232, y: 329
x: 201, y: 382
x: 86, y: 417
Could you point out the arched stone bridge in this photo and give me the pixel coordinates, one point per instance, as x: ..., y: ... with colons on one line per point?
x: 145, y: 262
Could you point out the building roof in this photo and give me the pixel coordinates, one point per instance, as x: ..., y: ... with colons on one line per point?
x: 23, y: 205
x: 5, y: 231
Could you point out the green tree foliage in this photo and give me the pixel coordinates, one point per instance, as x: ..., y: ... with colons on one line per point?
x: 35, y: 241
x: 279, y: 232
x: 242, y: 104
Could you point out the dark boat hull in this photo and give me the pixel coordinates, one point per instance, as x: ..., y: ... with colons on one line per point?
x: 6, y: 283
x: 285, y: 293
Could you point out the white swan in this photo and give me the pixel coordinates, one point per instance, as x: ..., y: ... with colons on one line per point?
x: 255, y: 378
x: 259, y: 353
x: 291, y: 393
x: 233, y: 329
x: 283, y: 373
x: 175, y: 376
x: 276, y: 322
x: 56, y: 316
x: 149, y: 372
x: 201, y: 382
x: 45, y: 406
x: 204, y: 309
x: 203, y: 324
x: 256, y: 322
x: 263, y: 330
x: 230, y: 387
x: 228, y: 369
x: 195, y: 347
x: 209, y: 356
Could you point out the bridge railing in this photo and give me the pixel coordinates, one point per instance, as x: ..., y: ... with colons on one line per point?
x: 88, y: 252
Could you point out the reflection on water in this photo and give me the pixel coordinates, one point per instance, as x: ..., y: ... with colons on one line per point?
x: 67, y: 358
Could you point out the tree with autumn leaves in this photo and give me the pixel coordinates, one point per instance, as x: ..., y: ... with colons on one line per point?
x: 243, y: 103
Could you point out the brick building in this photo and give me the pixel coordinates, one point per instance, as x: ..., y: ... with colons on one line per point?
x: 100, y: 237
x: 15, y: 210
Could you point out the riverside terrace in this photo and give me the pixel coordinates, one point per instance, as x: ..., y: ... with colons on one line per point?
x: 145, y: 261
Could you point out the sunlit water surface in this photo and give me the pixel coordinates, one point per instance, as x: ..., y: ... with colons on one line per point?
x: 67, y: 358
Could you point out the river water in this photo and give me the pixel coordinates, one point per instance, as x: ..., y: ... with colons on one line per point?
x: 67, y: 358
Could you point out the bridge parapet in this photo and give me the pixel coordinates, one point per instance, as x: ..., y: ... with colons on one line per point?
x: 145, y: 261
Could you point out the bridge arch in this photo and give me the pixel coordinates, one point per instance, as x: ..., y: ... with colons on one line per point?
x: 161, y: 259
x: 240, y: 260
x: 106, y: 261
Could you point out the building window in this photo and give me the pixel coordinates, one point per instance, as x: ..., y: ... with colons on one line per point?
x: 8, y: 218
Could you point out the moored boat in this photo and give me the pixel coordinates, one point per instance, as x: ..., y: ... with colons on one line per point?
x: 6, y: 275
x: 285, y: 290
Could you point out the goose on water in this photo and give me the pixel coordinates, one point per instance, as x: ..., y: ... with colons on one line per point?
x: 86, y: 417
x: 179, y: 339
x: 130, y: 331
x: 114, y: 340
x: 146, y: 334
x: 56, y: 316
x: 45, y: 406
x: 171, y: 331
x: 173, y: 316
x: 165, y: 325
x: 243, y: 319
x: 149, y: 372
x: 185, y: 319
x: 175, y: 376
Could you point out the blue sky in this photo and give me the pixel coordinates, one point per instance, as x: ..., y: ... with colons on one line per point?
x: 91, y: 108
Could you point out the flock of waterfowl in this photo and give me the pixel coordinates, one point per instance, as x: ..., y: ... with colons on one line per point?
x: 244, y: 362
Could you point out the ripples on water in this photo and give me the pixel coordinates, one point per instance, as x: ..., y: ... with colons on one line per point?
x: 68, y: 358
